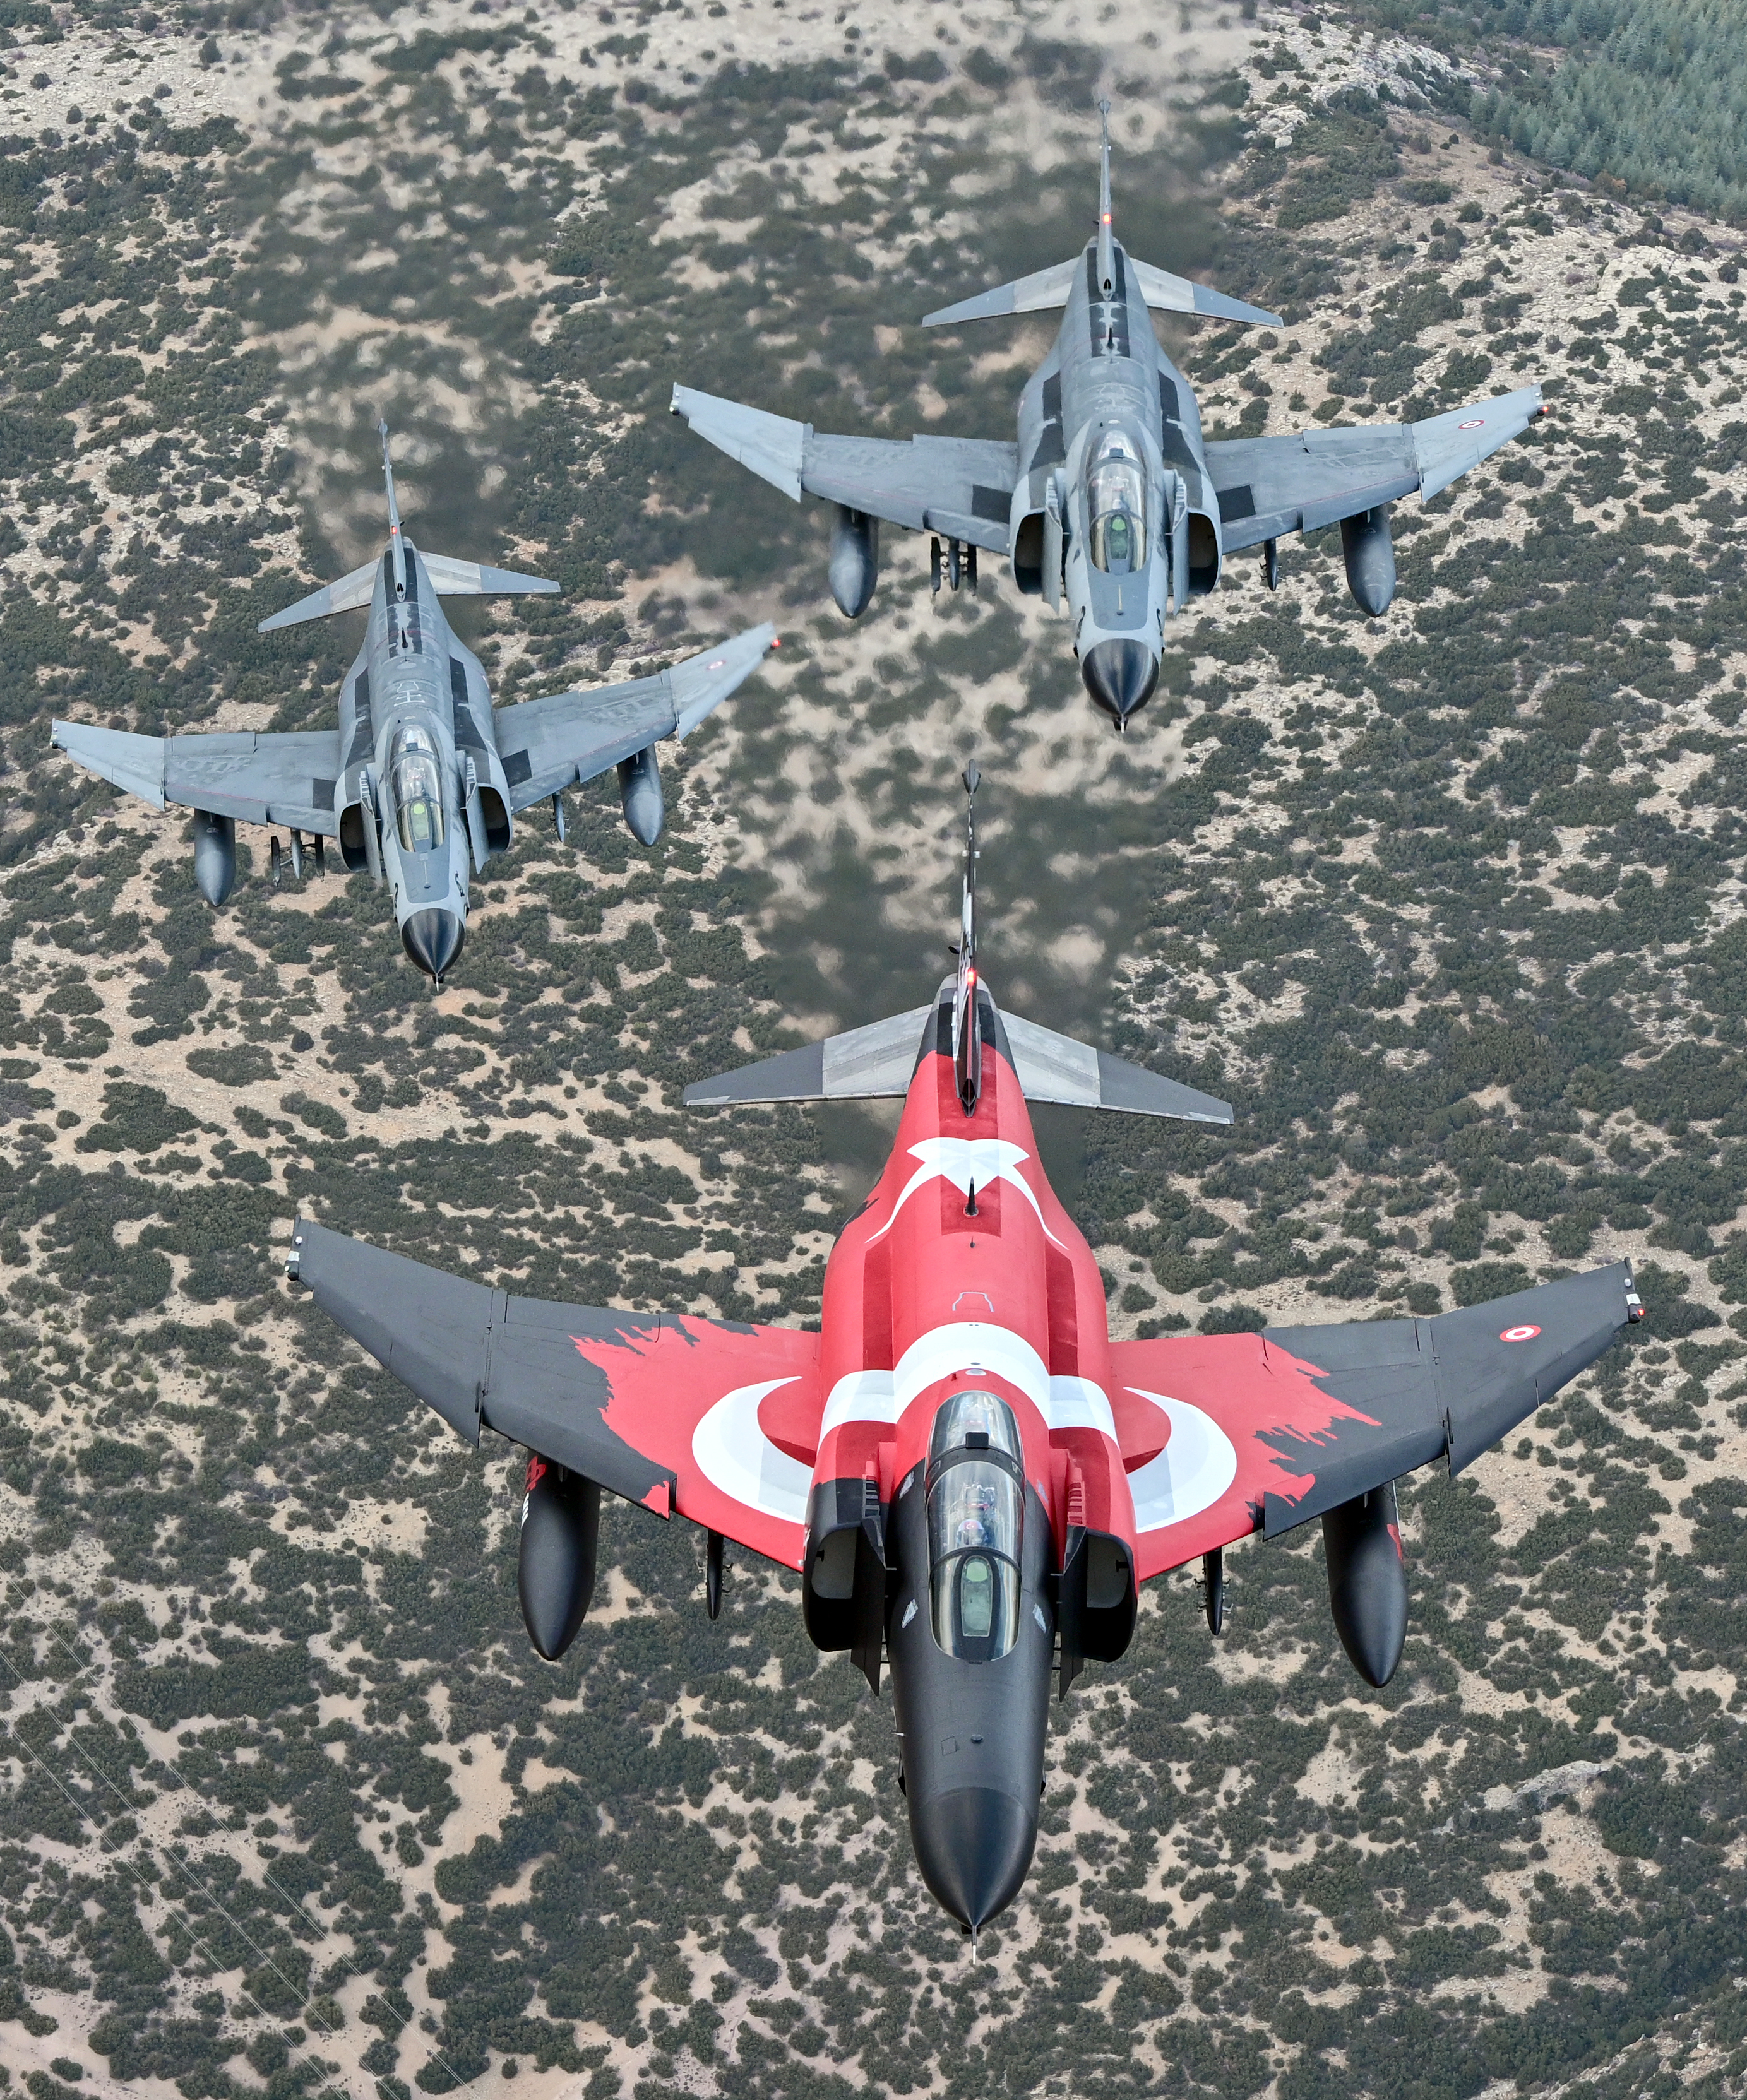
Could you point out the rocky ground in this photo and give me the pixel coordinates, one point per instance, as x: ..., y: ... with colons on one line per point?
x: 1447, y: 902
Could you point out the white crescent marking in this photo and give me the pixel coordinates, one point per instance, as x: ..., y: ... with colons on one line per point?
x: 977, y: 1348
x: 734, y: 1454
x: 1192, y: 1473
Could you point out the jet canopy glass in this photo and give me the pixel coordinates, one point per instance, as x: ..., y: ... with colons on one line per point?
x: 1116, y: 501
x: 417, y: 787
x: 976, y: 1503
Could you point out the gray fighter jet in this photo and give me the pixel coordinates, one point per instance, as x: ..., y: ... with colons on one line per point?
x: 1112, y: 502
x: 419, y: 783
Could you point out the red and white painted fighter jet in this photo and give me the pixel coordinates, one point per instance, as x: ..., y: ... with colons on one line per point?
x: 970, y: 1477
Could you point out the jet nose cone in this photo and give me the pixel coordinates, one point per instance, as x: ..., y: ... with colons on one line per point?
x: 974, y: 1847
x: 432, y: 938
x: 1120, y: 675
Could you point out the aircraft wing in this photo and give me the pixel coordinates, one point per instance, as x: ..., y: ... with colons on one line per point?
x: 713, y: 1421
x: 1270, y: 487
x: 257, y: 779
x: 960, y: 488
x: 1224, y: 1435
x: 548, y: 745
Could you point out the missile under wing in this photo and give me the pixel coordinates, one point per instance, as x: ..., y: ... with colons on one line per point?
x: 420, y: 781
x: 1111, y: 503
x: 970, y: 1477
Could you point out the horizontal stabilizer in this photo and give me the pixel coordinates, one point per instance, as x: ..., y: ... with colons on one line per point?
x: 1162, y: 290
x: 870, y: 1064
x: 1056, y: 1068
x: 1168, y: 294
x: 878, y: 1063
x: 347, y: 595
x: 1042, y: 289
x: 453, y: 579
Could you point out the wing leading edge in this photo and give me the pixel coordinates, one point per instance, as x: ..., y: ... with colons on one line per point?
x: 257, y: 779
x: 1224, y: 1435
x: 681, y: 1415
x: 548, y: 745
x: 1269, y: 487
x: 961, y: 488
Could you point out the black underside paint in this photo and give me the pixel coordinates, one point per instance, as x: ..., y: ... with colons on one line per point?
x: 971, y: 1734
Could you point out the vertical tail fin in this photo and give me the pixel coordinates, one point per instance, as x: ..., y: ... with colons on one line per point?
x: 967, y: 1030
x: 397, y: 547
x: 1106, y: 217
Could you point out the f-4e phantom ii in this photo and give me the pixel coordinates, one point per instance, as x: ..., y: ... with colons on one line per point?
x: 971, y: 1478
x: 421, y: 781
x: 1112, y: 503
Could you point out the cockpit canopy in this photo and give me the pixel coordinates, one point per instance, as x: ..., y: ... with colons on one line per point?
x: 415, y: 783
x: 1116, y: 502
x: 976, y: 1509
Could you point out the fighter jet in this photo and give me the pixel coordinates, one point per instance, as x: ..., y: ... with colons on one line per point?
x: 1111, y: 503
x: 971, y: 1478
x: 420, y: 782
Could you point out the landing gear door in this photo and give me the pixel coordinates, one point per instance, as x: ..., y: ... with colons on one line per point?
x: 1055, y: 544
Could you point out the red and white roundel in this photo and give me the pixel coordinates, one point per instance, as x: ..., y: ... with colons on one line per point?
x: 1518, y: 1334
x: 1477, y: 423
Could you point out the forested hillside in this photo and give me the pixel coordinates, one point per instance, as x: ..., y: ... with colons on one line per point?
x: 1448, y: 903
x: 1646, y: 95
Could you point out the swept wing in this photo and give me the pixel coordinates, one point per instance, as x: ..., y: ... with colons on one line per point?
x: 961, y: 488
x: 257, y: 779
x: 548, y: 745
x: 1224, y: 1435
x: 684, y: 1415
x: 1271, y: 487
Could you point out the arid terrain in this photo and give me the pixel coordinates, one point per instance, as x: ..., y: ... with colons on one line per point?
x: 1448, y: 903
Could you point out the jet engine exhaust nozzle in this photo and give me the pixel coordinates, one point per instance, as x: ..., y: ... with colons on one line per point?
x: 432, y: 939
x: 974, y: 1847
x: 1120, y: 675
x: 214, y: 855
